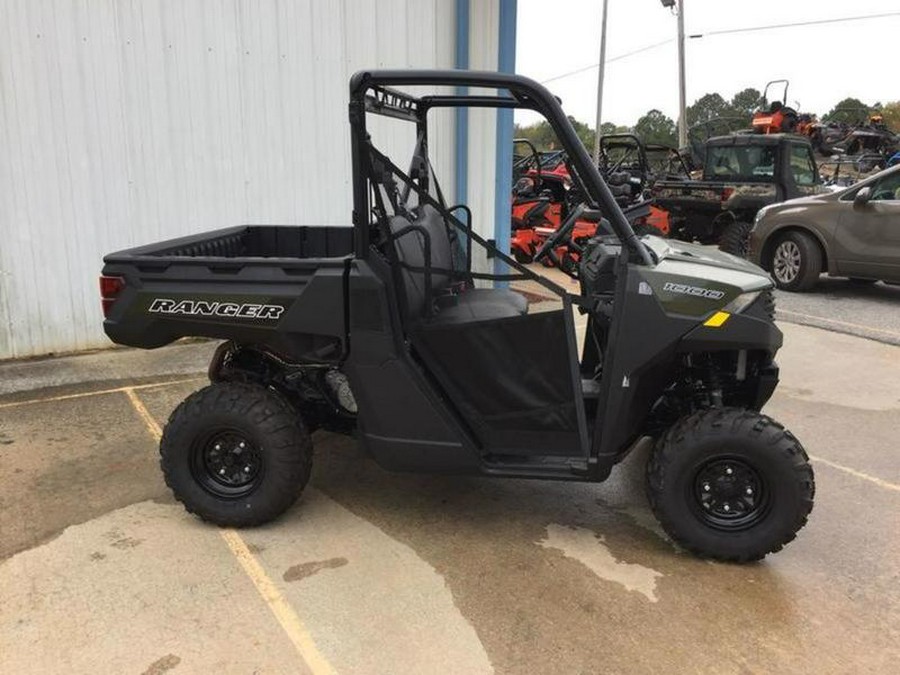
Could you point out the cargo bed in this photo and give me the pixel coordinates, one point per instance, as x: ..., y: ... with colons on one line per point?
x: 249, y: 241
x: 237, y: 283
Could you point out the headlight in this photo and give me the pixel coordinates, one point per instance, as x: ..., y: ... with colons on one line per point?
x: 760, y: 214
x: 741, y: 302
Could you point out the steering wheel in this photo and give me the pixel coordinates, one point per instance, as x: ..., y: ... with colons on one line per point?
x: 564, y: 236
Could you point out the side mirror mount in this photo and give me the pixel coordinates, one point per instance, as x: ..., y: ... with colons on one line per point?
x: 863, y: 196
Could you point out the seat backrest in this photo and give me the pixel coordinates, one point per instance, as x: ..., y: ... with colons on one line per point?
x: 410, y: 249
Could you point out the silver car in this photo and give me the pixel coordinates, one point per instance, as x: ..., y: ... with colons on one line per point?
x: 854, y: 232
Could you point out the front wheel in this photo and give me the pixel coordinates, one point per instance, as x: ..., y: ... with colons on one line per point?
x: 730, y: 484
x: 235, y: 454
x: 795, y: 261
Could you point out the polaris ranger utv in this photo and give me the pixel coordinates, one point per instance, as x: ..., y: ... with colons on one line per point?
x: 403, y: 332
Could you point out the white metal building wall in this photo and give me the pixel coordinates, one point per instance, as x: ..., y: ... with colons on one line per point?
x: 483, y: 30
x: 124, y: 122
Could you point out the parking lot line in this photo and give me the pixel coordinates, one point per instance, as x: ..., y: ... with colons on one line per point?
x: 277, y: 603
x: 268, y: 591
x: 887, y: 485
x: 139, y: 407
x: 98, y: 392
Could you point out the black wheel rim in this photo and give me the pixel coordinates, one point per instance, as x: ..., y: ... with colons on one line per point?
x: 729, y: 494
x: 227, y: 463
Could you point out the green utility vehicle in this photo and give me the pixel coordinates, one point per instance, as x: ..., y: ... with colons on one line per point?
x: 406, y: 333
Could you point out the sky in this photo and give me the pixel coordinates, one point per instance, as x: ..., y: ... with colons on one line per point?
x: 824, y: 63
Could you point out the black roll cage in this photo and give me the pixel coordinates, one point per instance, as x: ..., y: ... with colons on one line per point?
x: 628, y: 142
x: 372, y: 91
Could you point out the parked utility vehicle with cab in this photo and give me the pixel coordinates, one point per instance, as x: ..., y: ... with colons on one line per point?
x: 742, y: 173
x: 402, y: 332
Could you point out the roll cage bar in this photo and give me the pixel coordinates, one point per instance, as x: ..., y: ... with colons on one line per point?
x: 629, y: 142
x: 372, y: 91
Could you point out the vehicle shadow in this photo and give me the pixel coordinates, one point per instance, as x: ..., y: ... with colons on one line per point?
x: 485, y: 510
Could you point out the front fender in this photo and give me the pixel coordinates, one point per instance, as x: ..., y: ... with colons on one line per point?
x: 739, y: 331
x: 760, y: 245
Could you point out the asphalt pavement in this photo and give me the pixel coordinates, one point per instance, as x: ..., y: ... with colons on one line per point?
x: 870, y: 310
x: 840, y: 305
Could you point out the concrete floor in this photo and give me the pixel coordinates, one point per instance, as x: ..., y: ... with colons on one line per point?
x: 373, y: 572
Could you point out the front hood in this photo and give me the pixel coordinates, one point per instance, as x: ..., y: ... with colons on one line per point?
x: 671, y: 250
x: 829, y: 196
x: 694, y: 280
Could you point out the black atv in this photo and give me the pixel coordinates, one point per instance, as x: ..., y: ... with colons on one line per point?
x: 380, y: 331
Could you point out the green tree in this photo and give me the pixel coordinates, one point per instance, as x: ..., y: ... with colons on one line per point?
x: 707, y: 107
x: 850, y: 110
x: 585, y: 133
x: 610, y: 128
x: 539, y: 133
x: 544, y: 138
x: 891, y: 113
x: 655, y: 127
x: 745, y: 102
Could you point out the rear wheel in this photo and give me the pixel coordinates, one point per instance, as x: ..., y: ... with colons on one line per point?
x: 730, y: 484
x: 235, y: 454
x: 795, y: 261
x: 735, y: 238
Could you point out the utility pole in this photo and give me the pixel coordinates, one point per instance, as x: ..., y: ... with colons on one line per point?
x: 682, y: 115
x: 600, y: 85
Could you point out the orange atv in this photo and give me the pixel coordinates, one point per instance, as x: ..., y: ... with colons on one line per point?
x: 536, y: 217
x: 541, y: 198
x: 562, y: 247
x: 775, y: 117
x: 538, y: 201
x: 545, y: 196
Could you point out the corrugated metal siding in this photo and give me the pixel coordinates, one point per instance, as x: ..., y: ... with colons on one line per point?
x: 484, y: 24
x: 126, y: 122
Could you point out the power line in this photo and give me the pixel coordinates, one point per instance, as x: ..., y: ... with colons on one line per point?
x: 614, y: 58
x: 816, y: 22
x: 722, y: 32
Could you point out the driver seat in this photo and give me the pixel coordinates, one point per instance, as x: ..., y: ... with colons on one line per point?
x: 469, y: 305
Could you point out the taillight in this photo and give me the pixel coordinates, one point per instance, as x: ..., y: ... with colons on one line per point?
x: 110, y: 287
x: 726, y: 193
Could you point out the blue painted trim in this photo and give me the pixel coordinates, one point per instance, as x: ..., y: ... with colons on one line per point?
x: 462, y: 114
x: 506, y: 63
